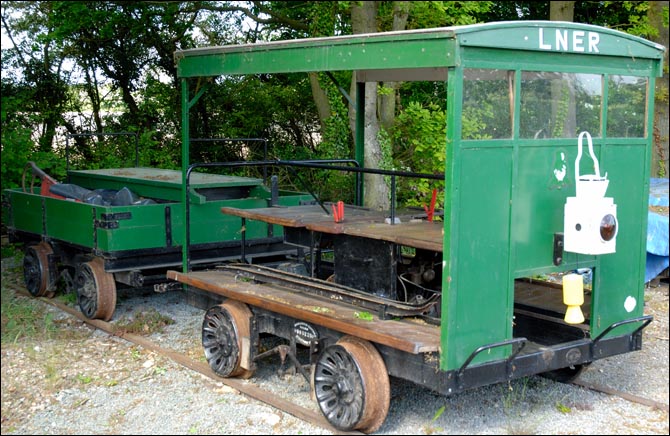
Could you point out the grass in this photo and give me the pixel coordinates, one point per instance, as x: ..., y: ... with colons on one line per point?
x: 10, y: 250
x: 514, y: 397
x: 24, y: 319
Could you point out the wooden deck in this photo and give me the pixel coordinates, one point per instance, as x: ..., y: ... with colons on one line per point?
x: 409, y: 335
x: 546, y: 296
x: 357, y: 222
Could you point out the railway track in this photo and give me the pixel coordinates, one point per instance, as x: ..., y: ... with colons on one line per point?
x: 247, y: 389
x: 265, y: 396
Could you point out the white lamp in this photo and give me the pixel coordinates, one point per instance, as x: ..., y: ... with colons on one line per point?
x: 590, y: 225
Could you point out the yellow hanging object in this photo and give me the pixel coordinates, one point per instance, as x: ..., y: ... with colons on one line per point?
x: 573, y: 297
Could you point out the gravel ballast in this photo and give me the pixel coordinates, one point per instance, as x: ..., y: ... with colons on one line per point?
x: 85, y: 381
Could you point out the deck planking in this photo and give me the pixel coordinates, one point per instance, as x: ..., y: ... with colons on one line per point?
x: 409, y: 335
x: 357, y: 222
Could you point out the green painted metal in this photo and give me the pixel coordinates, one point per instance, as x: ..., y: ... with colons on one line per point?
x: 154, y: 182
x: 505, y: 194
x: 332, y: 54
x: 557, y: 37
x: 25, y: 209
x: 114, y: 229
x: 505, y: 203
x: 414, y: 49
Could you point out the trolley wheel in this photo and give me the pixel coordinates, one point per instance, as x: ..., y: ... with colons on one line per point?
x: 36, y: 273
x: 352, y: 386
x: 564, y: 375
x: 226, y: 333
x: 96, y: 290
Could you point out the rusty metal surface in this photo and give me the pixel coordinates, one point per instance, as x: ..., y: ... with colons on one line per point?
x: 329, y: 290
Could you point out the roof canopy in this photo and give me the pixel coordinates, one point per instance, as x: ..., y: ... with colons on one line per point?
x: 424, y: 48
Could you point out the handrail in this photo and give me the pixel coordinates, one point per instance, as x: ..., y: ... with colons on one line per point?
x: 646, y: 319
x: 327, y: 164
x: 265, y: 163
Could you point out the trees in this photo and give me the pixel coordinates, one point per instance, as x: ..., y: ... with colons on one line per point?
x: 73, y: 67
x: 658, y: 20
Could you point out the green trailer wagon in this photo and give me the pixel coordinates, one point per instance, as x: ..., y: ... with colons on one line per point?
x: 135, y: 233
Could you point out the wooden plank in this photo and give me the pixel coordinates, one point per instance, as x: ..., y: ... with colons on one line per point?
x: 417, y: 234
x: 546, y: 296
x: 412, y: 336
x: 262, y: 214
x: 301, y: 216
x: 357, y: 222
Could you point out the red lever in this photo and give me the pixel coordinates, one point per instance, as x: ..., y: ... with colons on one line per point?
x: 430, y: 212
x: 338, y: 211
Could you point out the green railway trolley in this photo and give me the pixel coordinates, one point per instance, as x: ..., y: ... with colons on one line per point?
x: 547, y: 150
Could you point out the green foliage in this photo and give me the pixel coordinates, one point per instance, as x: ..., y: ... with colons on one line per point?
x: 439, y: 413
x: 11, y: 251
x: 563, y: 408
x: 424, y: 14
x: 636, y: 21
x: 24, y: 319
x: 336, y: 143
x: 84, y: 379
x: 158, y: 153
x: 365, y: 316
x: 108, y: 66
x: 16, y: 147
x: 418, y: 145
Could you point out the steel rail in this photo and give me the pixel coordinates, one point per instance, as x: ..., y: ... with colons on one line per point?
x: 245, y: 388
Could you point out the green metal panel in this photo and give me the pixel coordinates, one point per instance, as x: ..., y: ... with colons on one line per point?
x: 137, y: 226
x: 558, y: 37
x: 69, y: 221
x: 559, y: 62
x: 145, y: 229
x: 478, y: 309
x: 414, y: 50
x: 208, y: 224
x: 26, y: 211
x: 539, y: 201
x: 620, y: 275
x: 154, y: 182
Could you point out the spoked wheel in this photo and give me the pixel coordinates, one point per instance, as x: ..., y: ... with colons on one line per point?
x: 96, y: 290
x: 36, y: 274
x: 226, y: 333
x: 352, y: 386
x: 564, y: 375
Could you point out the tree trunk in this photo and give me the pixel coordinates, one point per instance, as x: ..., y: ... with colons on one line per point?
x: 320, y: 100
x: 659, y: 158
x: 387, y: 100
x: 376, y: 195
x: 561, y: 11
x: 563, y: 106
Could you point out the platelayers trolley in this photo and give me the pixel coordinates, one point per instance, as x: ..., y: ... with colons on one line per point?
x: 548, y: 142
